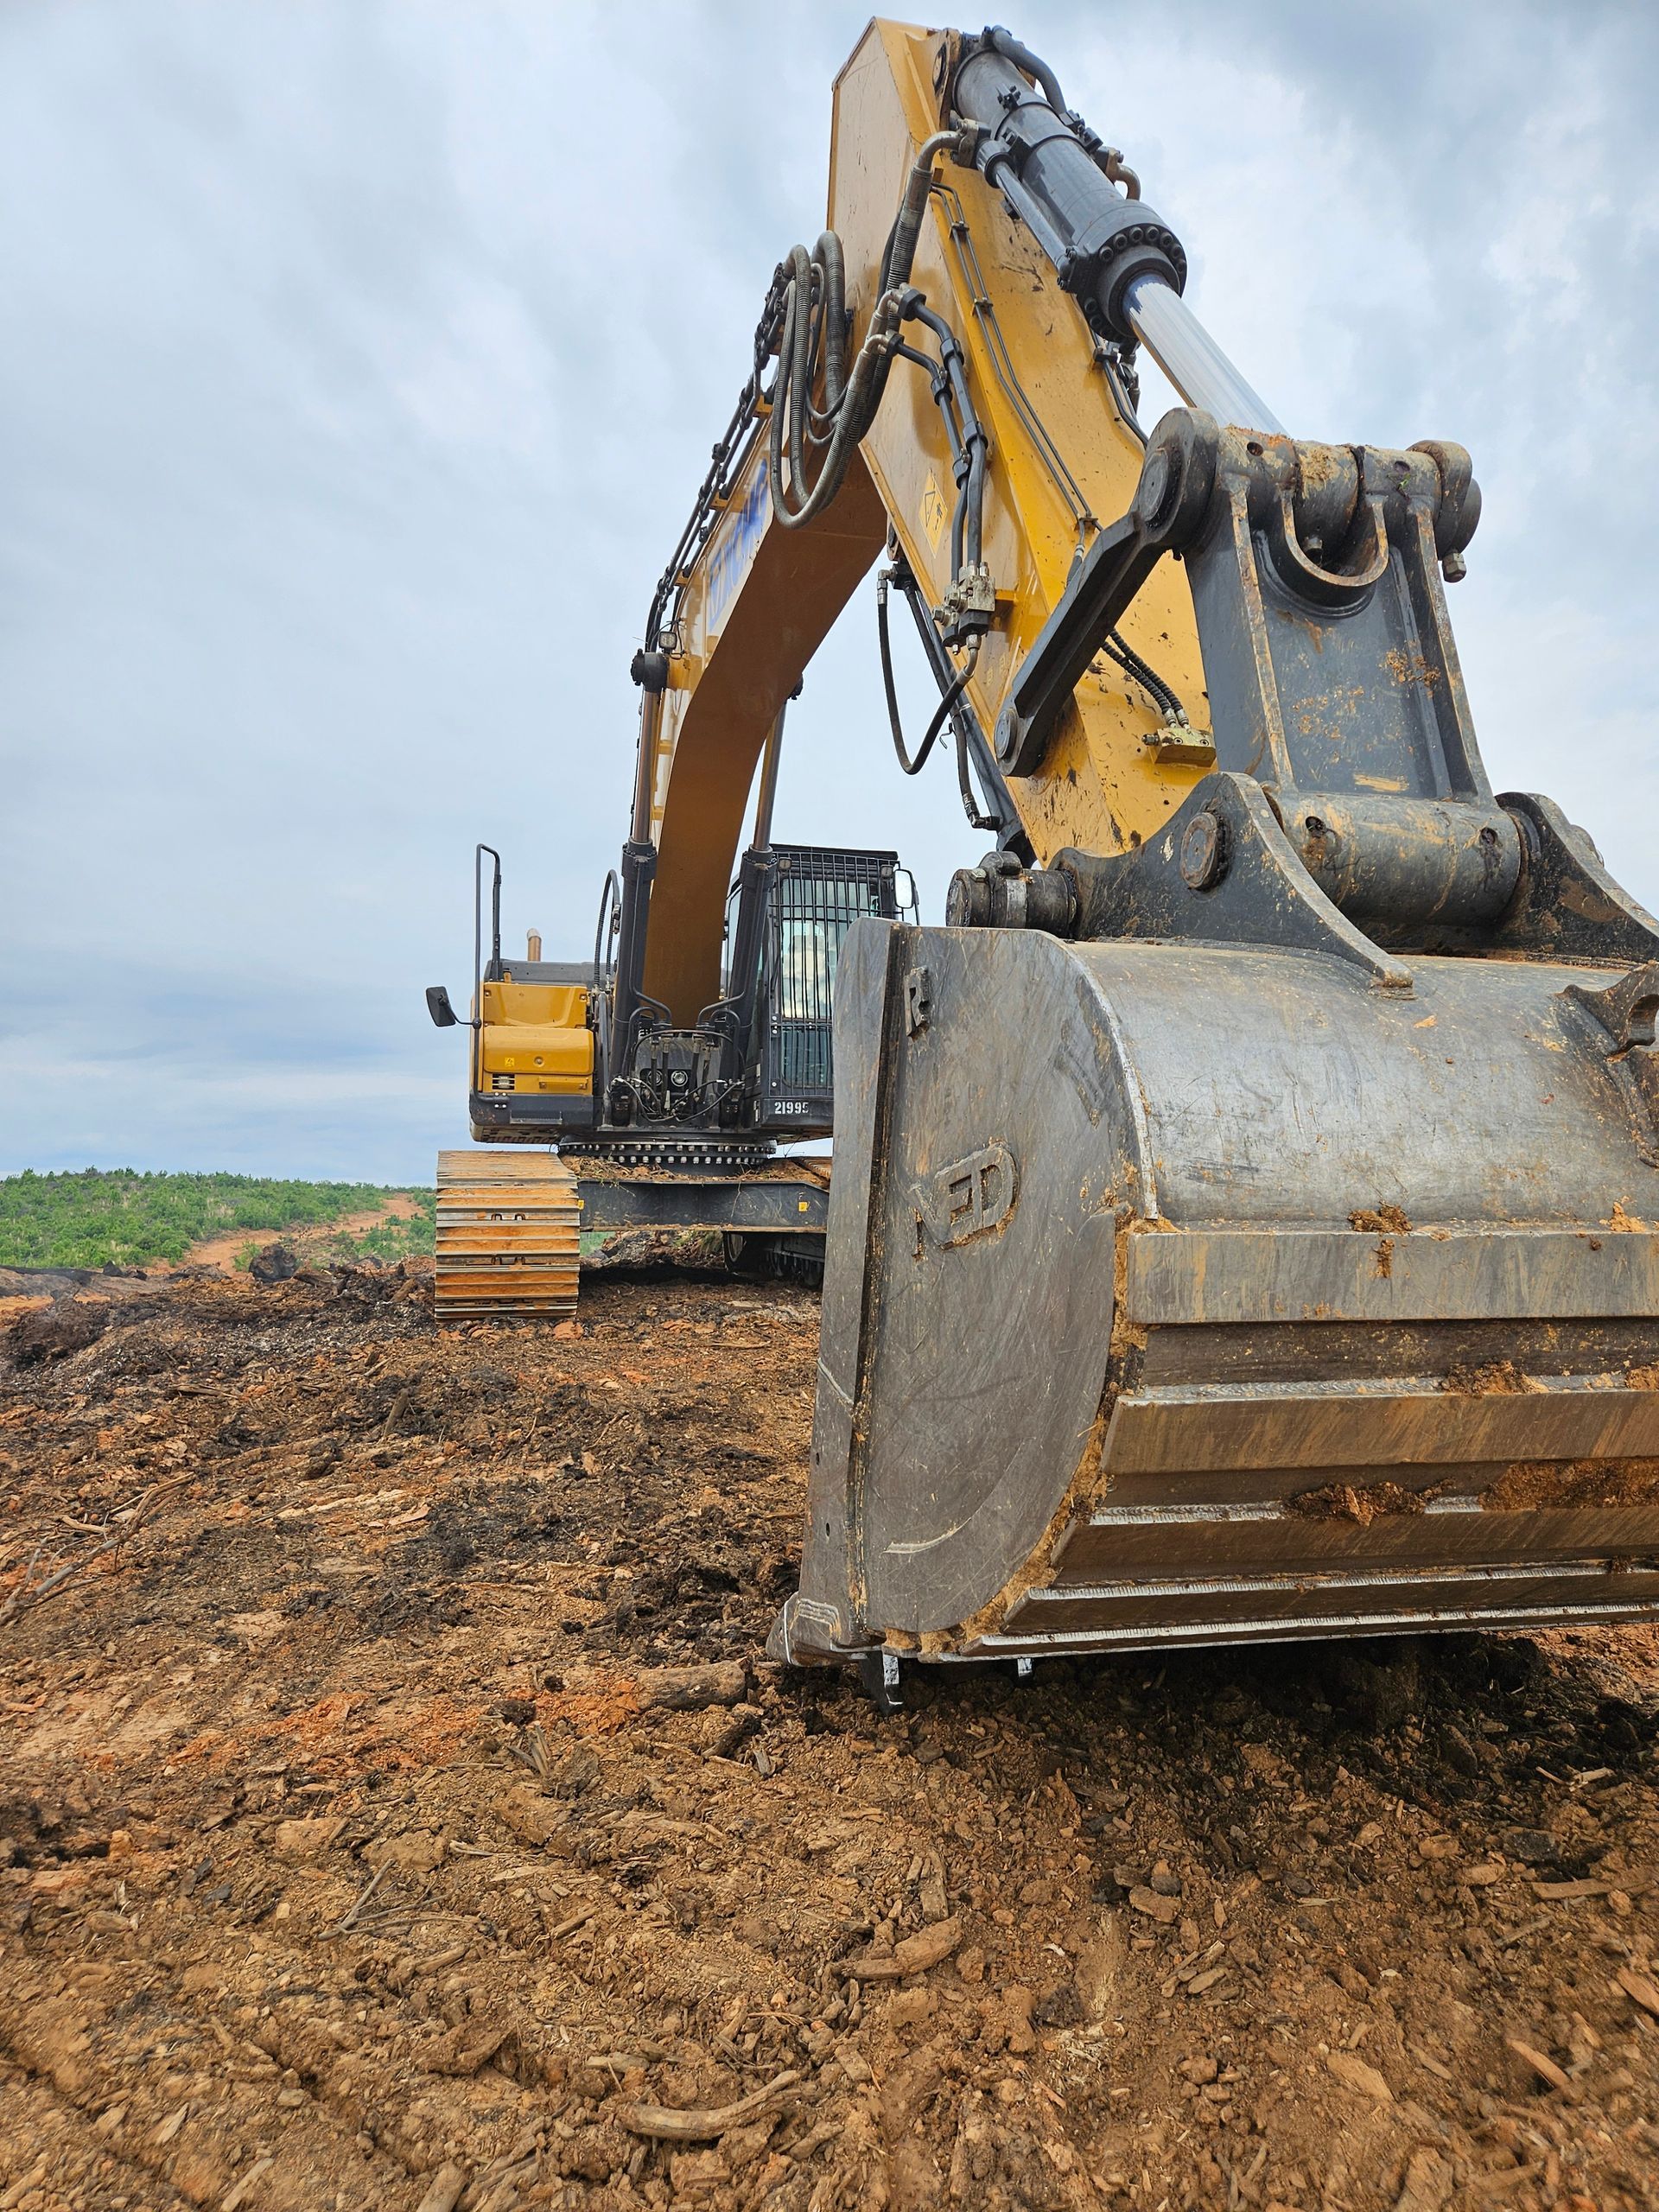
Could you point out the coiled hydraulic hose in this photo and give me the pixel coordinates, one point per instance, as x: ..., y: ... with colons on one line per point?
x: 815, y: 313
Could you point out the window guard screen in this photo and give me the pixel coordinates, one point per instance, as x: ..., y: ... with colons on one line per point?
x: 818, y: 897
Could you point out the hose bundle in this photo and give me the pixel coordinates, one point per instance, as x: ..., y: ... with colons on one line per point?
x: 819, y: 442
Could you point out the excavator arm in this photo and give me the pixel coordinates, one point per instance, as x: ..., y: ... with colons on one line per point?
x: 756, y: 606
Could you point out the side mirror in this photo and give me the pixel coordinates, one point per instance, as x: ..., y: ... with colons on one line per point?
x: 437, y: 1005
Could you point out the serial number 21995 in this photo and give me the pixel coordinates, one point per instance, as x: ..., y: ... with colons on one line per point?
x: 791, y: 1106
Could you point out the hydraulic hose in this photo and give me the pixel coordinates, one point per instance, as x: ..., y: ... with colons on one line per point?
x: 1166, y: 701
x: 968, y: 438
x: 977, y: 818
x: 1005, y: 43
x: 815, y: 310
x: 913, y: 763
x: 610, y: 904
x: 834, y: 325
x: 853, y: 412
x: 900, y: 254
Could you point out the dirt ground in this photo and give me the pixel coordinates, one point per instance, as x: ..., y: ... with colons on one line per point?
x: 355, y: 1853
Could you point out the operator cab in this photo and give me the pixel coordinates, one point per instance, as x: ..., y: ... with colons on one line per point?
x: 786, y: 916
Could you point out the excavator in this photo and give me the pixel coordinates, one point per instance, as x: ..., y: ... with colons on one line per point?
x: 1241, y: 1222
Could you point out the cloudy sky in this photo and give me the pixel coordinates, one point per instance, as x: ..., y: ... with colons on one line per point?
x: 358, y: 359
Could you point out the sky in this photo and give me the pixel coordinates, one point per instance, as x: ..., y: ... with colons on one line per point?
x: 359, y: 362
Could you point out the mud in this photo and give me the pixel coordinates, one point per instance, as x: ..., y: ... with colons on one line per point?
x: 1532, y: 1483
x: 1498, y: 1378
x: 362, y: 1850
x: 1343, y: 1501
x: 1379, y: 1221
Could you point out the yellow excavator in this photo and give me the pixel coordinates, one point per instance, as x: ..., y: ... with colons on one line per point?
x: 1240, y: 1219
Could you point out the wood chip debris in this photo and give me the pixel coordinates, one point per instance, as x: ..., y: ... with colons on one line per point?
x: 691, y: 1689
x: 444, y: 2189
x: 239, y: 2194
x: 1354, y: 2074
x: 707, y: 2123
x: 915, y: 1954
x: 1545, y: 2068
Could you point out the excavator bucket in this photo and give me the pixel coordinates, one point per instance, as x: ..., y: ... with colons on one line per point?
x: 1244, y: 1233
x: 1183, y: 1293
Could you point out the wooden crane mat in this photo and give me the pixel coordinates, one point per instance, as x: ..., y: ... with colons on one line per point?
x: 508, y: 1230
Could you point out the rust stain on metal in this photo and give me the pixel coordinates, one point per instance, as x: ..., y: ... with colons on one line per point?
x: 1408, y: 669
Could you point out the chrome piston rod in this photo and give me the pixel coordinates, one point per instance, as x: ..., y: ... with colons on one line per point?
x: 1190, y: 359
x: 1030, y: 148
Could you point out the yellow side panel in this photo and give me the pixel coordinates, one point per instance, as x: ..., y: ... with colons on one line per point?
x: 564, y: 1005
x: 538, y: 1034
x: 542, y: 1055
